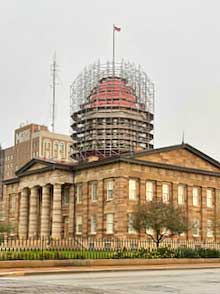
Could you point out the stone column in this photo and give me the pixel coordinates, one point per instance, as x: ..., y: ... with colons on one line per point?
x: 33, y: 213
x: 45, y: 212
x: 23, y: 217
x: 5, y: 204
x: 71, y: 210
x: 57, y: 217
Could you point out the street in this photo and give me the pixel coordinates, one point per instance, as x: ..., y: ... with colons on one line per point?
x: 157, y: 281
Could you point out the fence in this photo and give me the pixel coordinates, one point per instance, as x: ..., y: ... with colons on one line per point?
x: 104, y: 249
x: 103, y: 244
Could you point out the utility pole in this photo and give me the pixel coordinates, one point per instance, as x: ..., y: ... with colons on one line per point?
x: 54, y: 69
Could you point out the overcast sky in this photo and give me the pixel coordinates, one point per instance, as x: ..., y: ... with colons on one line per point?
x: 176, y: 42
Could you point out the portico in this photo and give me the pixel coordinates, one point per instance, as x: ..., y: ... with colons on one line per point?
x: 43, y: 191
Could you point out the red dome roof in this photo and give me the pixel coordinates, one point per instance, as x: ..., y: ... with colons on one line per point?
x: 113, y: 92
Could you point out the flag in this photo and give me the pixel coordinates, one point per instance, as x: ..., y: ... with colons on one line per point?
x: 117, y: 29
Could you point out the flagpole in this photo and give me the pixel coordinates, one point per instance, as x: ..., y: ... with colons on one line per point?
x: 113, y: 57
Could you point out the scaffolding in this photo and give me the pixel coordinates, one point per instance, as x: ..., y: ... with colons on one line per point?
x: 112, y: 110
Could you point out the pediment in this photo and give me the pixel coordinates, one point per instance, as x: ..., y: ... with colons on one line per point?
x: 182, y: 155
x: 34, y: 165
x: 37, y: 166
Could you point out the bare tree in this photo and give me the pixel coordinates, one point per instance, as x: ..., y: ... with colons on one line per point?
x: 160, y: 220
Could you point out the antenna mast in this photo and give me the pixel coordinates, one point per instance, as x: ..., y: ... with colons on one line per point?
x: 54, y: 68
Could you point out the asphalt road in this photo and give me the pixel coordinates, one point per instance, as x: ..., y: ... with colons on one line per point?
x: 157, y: 281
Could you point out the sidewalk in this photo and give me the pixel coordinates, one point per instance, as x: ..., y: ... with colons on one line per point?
x: 10, y: 272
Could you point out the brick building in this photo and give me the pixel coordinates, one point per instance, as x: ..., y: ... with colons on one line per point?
x: 35, y: 141
x: 97, y: 199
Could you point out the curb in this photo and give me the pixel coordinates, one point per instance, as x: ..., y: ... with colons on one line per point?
x: 92, y: 270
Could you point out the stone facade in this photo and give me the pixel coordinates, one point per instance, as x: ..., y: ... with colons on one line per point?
x: 35, y: 204
x: 97, y: 199
x: 2, y: 157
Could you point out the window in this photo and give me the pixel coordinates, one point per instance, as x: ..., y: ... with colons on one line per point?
x: 93, y: 191
x: 195, y: 193
x: 93, y: 224
x: 131, y: 229
x: 65, y: 195
x: 78, y: 193
x: 79, y: 224
x: 132, y: 189
x: 209, y: 228
x: 55, y: 149
x: 150, y: 231
x: 149, y: 190
x: 195, y: 228
x: 209, y: 197
x: 181, y: 194
x: 109, y: 190
x: 46, y: 148
x: 165, y: 192
x: 62, y: 150
x: 109, y: 223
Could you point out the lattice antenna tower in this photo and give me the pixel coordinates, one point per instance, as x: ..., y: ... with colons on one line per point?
x: 54, y: 74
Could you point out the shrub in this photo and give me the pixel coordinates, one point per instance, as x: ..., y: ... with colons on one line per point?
x: 163, y: 252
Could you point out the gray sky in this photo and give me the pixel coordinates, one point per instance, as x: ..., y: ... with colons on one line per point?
x: 176, y: 42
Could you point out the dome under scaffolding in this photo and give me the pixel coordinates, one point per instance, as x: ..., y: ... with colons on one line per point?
x: 111, y: 113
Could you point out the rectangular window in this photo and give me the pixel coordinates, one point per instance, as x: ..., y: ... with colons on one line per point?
x: 78, y: 193
x: 109, y: 190
x: 150, y: 231
x: 79, y: 224
x: 150, y: 186
x: 209, y: 197
x: 93, y: 191
x: 165, y: 192
x: 65, y: 196
x: 131, y: 229
x: 93, y: 224
x: 195, y: 193
x: 109, y: 223
x: 196, y: 228
x: 181, y: 194
x: 132, y: 189
x: 209, y: 228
